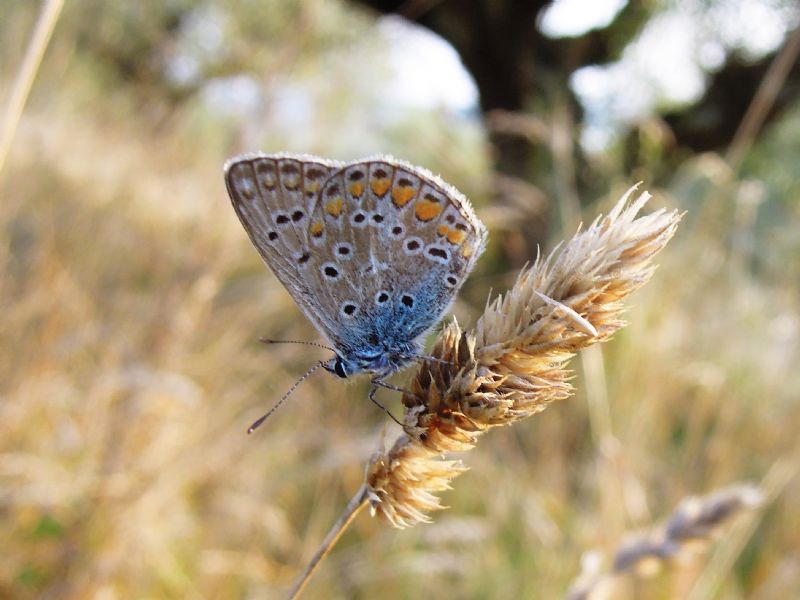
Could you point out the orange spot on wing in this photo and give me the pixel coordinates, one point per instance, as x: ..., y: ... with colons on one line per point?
x: 356, y: 189
x: 313, y: 187
x: 455, y: 236
x: 442, y: 229
x: 427, y: 210
x: 317, y: 228
x: 334, y: 207
x: 402, y: 195
x: 467, y: 251
x: 380, y: 186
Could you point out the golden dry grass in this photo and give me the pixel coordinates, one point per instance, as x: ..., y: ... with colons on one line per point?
x: 129, y: 369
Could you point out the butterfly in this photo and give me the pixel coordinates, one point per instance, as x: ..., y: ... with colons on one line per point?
x: 372, y: 251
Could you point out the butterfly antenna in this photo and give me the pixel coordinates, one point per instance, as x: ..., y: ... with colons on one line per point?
x: 256, y: 424
x: 265, y: 340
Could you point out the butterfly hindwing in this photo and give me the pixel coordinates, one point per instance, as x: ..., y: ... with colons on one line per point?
x: 405, y: 242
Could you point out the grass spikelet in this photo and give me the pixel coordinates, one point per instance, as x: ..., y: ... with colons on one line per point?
x: 692, y: 527
x: 412, y: 477
x: 513, y: 363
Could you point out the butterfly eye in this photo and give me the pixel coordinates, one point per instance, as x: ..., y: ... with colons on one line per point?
x: 338, y: 368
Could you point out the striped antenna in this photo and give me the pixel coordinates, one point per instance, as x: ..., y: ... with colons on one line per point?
x: 265, y: 340
x: 258, y: 422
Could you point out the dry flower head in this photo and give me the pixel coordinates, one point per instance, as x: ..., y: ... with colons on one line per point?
x: 513, y: 363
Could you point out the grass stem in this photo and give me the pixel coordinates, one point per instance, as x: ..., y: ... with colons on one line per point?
x: 357, y: 502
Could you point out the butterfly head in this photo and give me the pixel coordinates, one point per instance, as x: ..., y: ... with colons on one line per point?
x: 379, y: 361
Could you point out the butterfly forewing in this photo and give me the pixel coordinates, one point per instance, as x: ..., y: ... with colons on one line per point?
x: 274, y: 196
x: 379, y: 252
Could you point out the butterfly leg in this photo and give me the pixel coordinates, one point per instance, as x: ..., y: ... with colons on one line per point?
x: 371, y: 396
x: 424, y: 358
x: 389, y: 386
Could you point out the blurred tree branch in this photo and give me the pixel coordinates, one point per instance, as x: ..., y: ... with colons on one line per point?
x: 511, y: 61
x: 710, y: 124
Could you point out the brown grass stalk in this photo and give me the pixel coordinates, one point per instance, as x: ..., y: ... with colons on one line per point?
x: 513, y: 363
x: 357, y: 502
x: 691, y: 528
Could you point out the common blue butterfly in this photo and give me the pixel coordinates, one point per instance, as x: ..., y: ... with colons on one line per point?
x: 373, y: 251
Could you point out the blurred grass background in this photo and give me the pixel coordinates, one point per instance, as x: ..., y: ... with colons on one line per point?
x: 132, y: 303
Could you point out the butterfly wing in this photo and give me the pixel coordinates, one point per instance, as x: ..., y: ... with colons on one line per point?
x: 274, y: 196
x: 372, y: 251
x: 398, y: 243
